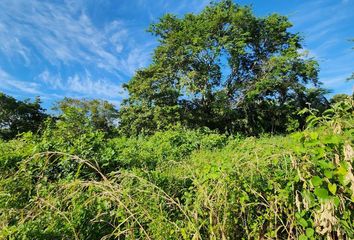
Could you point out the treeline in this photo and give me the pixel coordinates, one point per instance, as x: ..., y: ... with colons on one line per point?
x: 18, y: 117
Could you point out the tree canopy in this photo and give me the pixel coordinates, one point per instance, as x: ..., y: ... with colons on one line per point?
x: 19, y: 116
x: 77, y: 114
x: 224, y: 69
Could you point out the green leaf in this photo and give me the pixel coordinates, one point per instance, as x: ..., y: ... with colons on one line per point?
x: 310, y: 232
x: 328, y: 174
x: 342, y: 170
x: 316, y: 181
x: 314, y: 135
x: 303, y: 222
x: 303, y: 237
x: 336, y: 201
x: 332, y: 139
x: 321, y: 193
x: 332, y: 188
x: 326, y: 164
x: 343, y: 180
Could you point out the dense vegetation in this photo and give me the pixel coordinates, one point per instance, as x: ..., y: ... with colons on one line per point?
x: 19, y: 116
x: 180, y: 184
x: 226, y: 135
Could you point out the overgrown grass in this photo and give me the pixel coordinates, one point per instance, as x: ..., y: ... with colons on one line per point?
x: 180, y: 184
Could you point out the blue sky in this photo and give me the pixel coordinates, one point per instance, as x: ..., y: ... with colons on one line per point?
x: 89, y: 48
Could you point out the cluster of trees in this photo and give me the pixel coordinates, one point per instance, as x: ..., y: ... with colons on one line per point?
x: 18, y: 116
x: 224, y: 68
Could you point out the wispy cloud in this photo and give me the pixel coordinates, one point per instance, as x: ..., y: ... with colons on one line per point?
x: 9, y: 83
x: 38, y: 31
x: 339, y: 83
x: 83, y: 85
x: 326, y: 25
x: 66, y: 52
x: 320, y: 20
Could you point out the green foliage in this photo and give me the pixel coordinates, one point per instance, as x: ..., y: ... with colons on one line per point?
x: 224, y: 69
x: 19, y: 116
x: 99, y: 114
x: 180, y: 183
x: 339, y: 98
x: 339, y: 116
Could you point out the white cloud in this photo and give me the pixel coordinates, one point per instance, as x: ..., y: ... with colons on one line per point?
x: 55, y: 82
x: 87, y: 86
x: 38, y: 31
x: 82, y: 85
x: 9, y: 83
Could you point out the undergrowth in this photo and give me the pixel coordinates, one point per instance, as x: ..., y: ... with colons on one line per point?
x: 181, y: 184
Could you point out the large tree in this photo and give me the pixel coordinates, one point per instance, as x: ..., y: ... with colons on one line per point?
x: 19, y: 116
x: 225, y: 69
